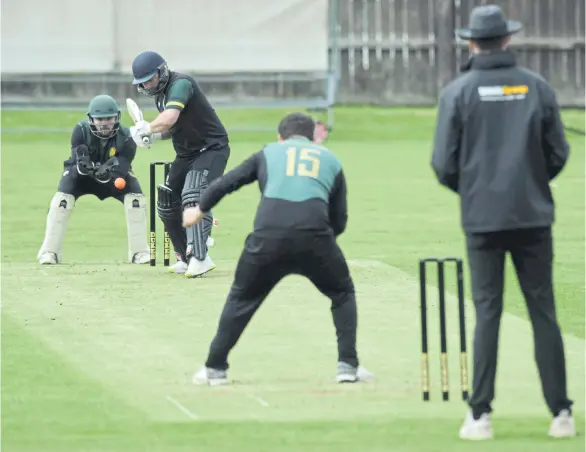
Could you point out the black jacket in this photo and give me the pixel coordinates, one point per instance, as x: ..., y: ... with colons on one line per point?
x: 499, y: 141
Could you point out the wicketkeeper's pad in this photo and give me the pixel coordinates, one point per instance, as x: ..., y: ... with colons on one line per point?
x: 136, y: 224
x: 59, y: 212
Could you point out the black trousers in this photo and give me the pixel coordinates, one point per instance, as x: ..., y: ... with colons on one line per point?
x: 262, y: 264
x: 212, y: 163
x: 531, y: 251
x: 73, y: 183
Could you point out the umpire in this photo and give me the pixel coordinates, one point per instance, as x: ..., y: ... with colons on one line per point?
x: 499, y: 141
x: 301, y: 212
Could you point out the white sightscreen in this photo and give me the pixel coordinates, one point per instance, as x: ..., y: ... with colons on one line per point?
x: 57, y: 36
x: 192, y: 35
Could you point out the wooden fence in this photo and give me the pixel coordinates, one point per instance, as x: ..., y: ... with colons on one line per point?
x: 387, y: 52
x: 401, y: 52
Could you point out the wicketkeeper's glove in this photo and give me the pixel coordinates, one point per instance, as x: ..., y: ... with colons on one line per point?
x: 84, y: 163
x: 103, y: 172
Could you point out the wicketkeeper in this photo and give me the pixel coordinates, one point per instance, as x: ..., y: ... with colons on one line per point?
x: 101, y: 152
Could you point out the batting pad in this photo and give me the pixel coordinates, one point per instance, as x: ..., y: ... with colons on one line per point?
x: 195, y: 184
x: 136, y: 224
x: 59, y: 212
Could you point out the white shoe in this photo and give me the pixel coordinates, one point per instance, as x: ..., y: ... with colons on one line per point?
x: 562, y: 425
x: 48, y: 259
x: 212, y: 377
x: 198, y: 268
x: 476, y: 430
x: 142, y: 257
x: 179, y: 267
x: 349, y: 374
x: 364, y: 375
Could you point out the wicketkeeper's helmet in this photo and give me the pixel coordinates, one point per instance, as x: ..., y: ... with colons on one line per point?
x: 103, y: 106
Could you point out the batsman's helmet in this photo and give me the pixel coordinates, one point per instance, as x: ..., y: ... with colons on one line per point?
x: 144, y: 67
x: 103, y: 106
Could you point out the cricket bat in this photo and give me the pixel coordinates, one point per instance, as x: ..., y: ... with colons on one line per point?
x: 136, y: 116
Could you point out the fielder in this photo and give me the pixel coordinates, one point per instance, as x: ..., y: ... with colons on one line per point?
x: 201, y: 143
x: 321, y: 132
x: 101, y: 151
x: 302, y: 210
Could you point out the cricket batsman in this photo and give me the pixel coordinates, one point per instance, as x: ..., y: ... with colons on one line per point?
x: 102, y: 152
x: 202, y: 151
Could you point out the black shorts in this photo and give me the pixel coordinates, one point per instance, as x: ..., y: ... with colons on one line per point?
x: 73, y: 183
x: 213, y: 161
x: 265, y: 261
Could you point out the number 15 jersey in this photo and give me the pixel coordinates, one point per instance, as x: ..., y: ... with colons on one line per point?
x: 302, y: 185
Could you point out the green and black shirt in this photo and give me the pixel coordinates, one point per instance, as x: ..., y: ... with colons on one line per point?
x: 121, y: 146
x: 198, y: 126
x: 302, y: 184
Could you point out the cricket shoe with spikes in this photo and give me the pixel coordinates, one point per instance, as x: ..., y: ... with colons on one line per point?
x: 211, y: 377
x: 476, y: 429
x: 350, y: 374
x: 178, y: 267
x: 142, y: 257
x: 562, y: 425
x: 199, y: 268
x: 48, y: 259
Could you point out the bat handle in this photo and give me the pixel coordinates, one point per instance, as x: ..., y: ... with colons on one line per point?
x: 146, y: 140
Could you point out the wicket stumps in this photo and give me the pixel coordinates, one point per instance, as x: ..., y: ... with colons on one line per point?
x: 443, y: 335
x: 153, y: 216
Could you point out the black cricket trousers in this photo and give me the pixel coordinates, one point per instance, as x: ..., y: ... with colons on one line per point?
x: 211, y: 162
x: 73, y: 183
x: 531, y: 251
x: 262, y: 264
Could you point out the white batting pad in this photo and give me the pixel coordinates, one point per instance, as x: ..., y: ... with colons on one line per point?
x: 59, y: 212
x: 136, y: 224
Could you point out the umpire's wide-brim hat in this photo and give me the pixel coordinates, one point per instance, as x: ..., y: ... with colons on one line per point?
x: 488, y: 21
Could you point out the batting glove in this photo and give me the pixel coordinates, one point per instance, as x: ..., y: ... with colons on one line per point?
x: 137, y: 137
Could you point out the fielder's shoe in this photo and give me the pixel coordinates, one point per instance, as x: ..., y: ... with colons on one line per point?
x: 562, y: 425
x: 476, y: 429
x: 198, y: 268
x: 211, y: 377
x: 142, y: 257
x: 48, y: 259
x: 350, y: 374
x: 178, y: 267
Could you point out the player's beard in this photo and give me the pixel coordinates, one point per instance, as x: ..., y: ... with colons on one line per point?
x: 105, y: 130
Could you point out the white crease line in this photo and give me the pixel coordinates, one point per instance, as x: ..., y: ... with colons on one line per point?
x: 181, y: 408
x: 258, y: 399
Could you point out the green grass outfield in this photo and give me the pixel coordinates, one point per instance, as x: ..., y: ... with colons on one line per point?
x: 97, y: 354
